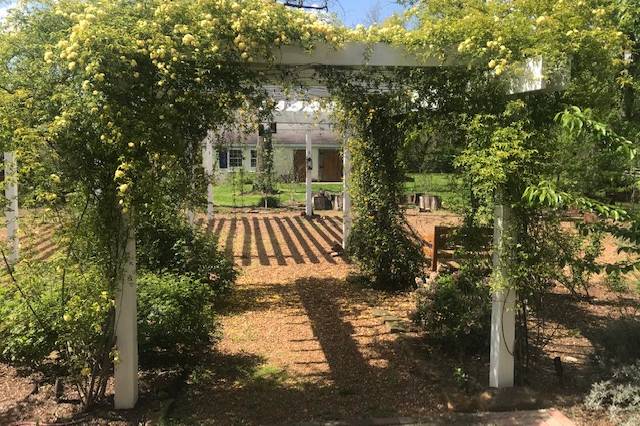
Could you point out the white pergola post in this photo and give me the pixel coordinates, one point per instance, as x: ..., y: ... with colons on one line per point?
x: 126, y: 326
x: 207, y: 164
x: 503, y: 308
x: 11, y: 211
x: 309, y: 169
x: 347, y: 220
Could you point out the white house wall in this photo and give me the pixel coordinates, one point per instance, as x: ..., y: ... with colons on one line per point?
x: 283, y: 161
x: 315, y: 158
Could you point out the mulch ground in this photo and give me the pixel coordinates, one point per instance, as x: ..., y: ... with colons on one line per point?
x: 301, y: 343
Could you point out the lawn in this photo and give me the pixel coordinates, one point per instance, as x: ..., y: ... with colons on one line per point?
x: 229, y: 194
x: 226, y: 194
x: 444, y: 185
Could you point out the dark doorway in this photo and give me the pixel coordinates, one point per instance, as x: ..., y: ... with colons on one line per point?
x: 299, y: 164
x: 330, y: 167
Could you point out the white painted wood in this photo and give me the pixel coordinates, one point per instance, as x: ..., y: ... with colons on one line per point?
x: 530, y: 75
x: 356, y: 54
x: 191, y: 217
x: 533, y: 75
x: 503, y: 308
x: 303, y: 112
x: 347, y: 219
x: 11, y: 210
x: 308, y: 176
x: 207, y: 164
x: 126, y: 326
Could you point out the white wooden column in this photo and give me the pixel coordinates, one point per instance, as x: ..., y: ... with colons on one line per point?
x: 503, y: 308
x: 207, y: 164
x: 11, y: 210
x: 126, y: 327
x: 347, y: 220
x: 309, y: 169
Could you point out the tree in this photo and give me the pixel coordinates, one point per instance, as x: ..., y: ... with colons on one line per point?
x: 116, y: 97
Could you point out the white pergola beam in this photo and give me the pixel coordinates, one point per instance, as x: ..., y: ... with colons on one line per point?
x: 503, y: 306
x: 126, y: 323
x: 207, y: 164
x: 296, y: 117
x: 355, y: 54
x: 308, y: 176
x: 347, y: 219
x: 11, y: 210
x: 530, y: 75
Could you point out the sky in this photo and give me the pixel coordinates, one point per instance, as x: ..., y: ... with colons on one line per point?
x: 3, y: 10
x: 351, y: 12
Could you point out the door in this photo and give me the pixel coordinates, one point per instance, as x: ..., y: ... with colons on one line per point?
x: 300, y: 164
x: 330, y: 166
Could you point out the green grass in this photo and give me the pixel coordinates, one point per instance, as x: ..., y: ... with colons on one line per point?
x: 444, y: 185
x: 226, y: 194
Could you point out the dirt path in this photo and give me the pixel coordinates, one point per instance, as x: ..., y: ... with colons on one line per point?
x: 299, y: 342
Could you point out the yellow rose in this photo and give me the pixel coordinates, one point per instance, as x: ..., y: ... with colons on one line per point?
x: 188, y: 39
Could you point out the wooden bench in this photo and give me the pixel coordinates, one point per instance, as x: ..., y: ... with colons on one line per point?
x: 434, y: 242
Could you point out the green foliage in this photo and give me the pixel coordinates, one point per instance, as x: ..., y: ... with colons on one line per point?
x: 28, y: 336
x: 380, y: 240
x: 40, y: 328
x: 165, y: 244
x: 175, y: 316
x: 620, y: 339
x: 455, y: 310
x: 619, y: 396
x: 501, y: 153
x: 265, y: 177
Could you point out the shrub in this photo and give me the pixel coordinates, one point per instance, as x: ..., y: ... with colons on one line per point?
x: 620, y: 339
x: 169, y: 245
x: 175, y: 315
x: 269, y: 201
x: 63, y: 320
x: 387, y: 254
x: 619, y: 396
x: 455, y: 310
x: 34, y: 321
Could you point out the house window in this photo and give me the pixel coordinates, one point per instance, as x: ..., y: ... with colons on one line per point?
x: 235, y: 158
x: 222, y: 159
x: 254, y: 158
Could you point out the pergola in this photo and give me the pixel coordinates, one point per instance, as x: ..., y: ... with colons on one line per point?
x: 303, y: 63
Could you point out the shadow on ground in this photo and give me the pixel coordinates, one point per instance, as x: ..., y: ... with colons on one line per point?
x: 589, y: 335
x: 386, y: 377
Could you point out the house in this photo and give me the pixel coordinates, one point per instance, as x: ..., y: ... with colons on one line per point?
x: 237, y: 150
